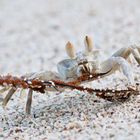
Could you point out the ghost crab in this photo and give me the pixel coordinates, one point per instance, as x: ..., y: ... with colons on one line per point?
x: 89, y: 63
x: 78, y: 68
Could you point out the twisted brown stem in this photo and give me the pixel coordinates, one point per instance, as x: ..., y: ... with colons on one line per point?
x: 40, y: 86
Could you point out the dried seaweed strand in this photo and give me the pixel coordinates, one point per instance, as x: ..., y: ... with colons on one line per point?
x: 107, y: 94
x: 40, y: 86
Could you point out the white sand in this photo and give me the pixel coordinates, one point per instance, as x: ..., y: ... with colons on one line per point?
x: 33, y: 34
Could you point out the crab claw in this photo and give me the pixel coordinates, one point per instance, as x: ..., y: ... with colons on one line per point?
x: 88, y: 44
x: 70, y: 50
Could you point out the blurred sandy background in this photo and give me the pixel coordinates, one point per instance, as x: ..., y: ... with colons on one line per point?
x: 33, y: 34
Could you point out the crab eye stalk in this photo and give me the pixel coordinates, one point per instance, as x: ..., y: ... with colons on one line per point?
x: 70, y: 50
x: 88, y: 44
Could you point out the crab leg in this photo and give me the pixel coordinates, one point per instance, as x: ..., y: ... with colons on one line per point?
x: 136, y: 54
x: 125, y: 53
x: 138, y: 49
x: 113, y: 63
x: 8, y: 96
x: 29, y: 102
x: 3, y: 89
x: 118, y: 59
